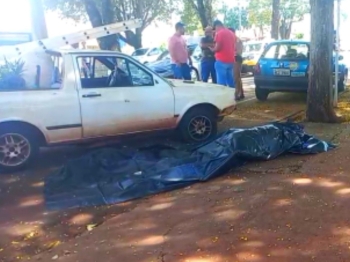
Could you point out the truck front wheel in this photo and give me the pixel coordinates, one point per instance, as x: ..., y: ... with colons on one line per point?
x: 199, y: 124
x: 18, y: 148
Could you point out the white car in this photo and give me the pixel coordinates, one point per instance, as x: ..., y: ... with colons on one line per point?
x: 97, y: 94
x: 147, y: 55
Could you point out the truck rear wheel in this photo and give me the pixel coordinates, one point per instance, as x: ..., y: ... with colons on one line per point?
x: 199, y: 124
x: 18, y: 148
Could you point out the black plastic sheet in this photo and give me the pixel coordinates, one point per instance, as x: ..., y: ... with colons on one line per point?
x: 111, y: 175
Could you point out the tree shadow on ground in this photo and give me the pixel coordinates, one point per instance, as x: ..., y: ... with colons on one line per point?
x: 289, y: 209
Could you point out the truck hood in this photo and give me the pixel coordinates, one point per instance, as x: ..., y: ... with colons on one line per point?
x: 188, y: 94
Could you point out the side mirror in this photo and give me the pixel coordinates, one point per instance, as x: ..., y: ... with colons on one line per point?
x: 341, y: 57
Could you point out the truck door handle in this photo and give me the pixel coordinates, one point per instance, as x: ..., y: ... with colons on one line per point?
x: 91, y: 95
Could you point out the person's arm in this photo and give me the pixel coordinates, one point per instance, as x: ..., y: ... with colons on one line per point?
x: 205, y: 44
x: 218, y: 43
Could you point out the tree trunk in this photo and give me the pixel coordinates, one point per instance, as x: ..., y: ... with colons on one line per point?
x: 203, y: 14
x: 108, y: 42
x: 275, y: 21
x: 319, y: 97
x: 134, y: 39
x: 37, y: 16
x: 261, y: 29
x: 285, y: 29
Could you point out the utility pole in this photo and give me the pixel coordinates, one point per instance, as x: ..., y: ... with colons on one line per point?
x: 337, y: 46
x: 39, y: 29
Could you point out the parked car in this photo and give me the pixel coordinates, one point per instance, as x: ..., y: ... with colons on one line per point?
x: 283, y: 67
x: 163, y: 64
x: 251, y: 53
x: 98, y: 94
x: 147, y: 55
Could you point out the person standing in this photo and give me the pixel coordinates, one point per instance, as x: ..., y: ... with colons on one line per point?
x: 208, y: 56
x: 238, y: 67
x: 224, y: 50
x: 179, y: 54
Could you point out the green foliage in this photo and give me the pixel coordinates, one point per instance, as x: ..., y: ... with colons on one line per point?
x: 231, y: 17
x: 15, y: 68
x: 190, y: 17
x: 299, y: 36
x: 259, y: 12
x: 11, y: 73
x: 197, y: 14
x: 291, y: 11
x: 294, y: 10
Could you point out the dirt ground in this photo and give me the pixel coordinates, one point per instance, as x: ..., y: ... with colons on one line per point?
x: 290, y: 209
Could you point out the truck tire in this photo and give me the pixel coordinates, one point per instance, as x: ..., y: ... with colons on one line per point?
x: 18, y: 148
x: 261, y: 94
x: 199, y: 124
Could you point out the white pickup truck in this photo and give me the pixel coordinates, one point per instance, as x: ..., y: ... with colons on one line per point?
x: 94, y: 94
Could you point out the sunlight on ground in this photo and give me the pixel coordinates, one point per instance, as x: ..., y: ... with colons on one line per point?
x: 329, y: 183
x: 200, y: 259
x: 283, y: 202
x: 24, y: 230
x: 81, y: 219
x: 151, y: 241
x: 302, y: 181
x: 229, y: 214
x: 344, y: 191
x: 32, y: 201
x: 38, y: 184
x: 161, y: 206
x: 343, y: 108
x: 10, y: 180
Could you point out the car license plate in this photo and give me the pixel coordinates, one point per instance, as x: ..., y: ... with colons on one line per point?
x: 298, y: 74
x: 281, y: 72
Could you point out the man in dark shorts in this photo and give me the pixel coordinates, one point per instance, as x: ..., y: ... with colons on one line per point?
x: 238, y: 67
x: 208, y: 56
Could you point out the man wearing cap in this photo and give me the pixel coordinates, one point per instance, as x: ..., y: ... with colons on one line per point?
x: 179, y: 54
x: 208, y: 56
x: 224, y: 49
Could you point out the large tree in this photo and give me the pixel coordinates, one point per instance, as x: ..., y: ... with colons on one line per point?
x: 275, y: 19
x: 319, y: 98
x: 259, y: 14
x: 291, y: 11
x: 203, y: 9
x: 232, y: 17
x: 102, y: 12
x: 190, y: 17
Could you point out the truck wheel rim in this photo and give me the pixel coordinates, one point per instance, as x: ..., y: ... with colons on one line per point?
x: 200, y: 128
x: 14, y: 150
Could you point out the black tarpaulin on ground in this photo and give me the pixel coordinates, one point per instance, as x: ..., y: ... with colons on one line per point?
x: 111, y: 175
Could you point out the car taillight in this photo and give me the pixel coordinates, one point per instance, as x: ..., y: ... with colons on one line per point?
x: 257, y: 69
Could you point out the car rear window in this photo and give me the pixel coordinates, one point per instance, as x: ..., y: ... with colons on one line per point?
x: 288, y: 51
